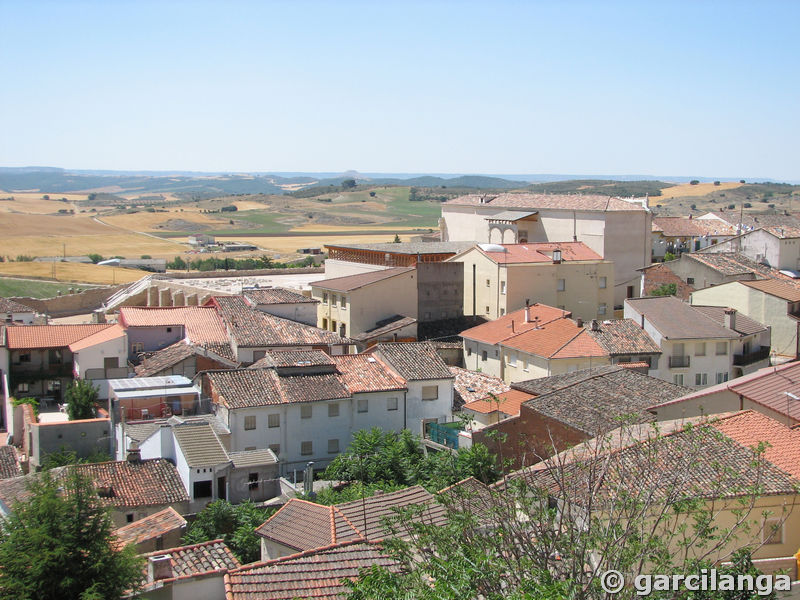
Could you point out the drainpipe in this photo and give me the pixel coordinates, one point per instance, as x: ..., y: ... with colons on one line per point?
x: 474, y: 291
x: 405, y: 417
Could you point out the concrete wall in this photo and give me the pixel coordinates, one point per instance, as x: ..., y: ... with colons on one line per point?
x: 342, y: 268
x: 70, y: 304
x: 302, y: 312
x: 440, y: 291
x: 82, y: 437
x: 153, y: 338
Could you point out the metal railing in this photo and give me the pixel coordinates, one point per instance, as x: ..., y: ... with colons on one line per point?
x: 751, y: 357
x: 678, y: 362
x: 442, y: 434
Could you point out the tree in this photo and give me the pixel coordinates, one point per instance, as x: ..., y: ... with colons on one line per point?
x: 177, y: 264
x: 348, y: 184
x: 81, y: 399
x: 694, y: 182
x: 634, y: 500
x: 669, y: 256
x: 60, y: 544
x: 667, y: 289
x: 96, y: 258
x: 396, y: 239
x: 236, y: 524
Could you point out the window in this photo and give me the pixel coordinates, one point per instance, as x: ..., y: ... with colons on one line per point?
x: 259, y: 354
x: 23, y: 388
x: 333, y: 409
x: 701, y: 379
x: 629, y: 293
x: 325, y: 324
x: 469, y: 350
x: 137, y: 347
x: 562, y: 285
x: 488, y: 283
x: 511, y: 358
x: 773, y: 531
x: 111, y: 362
x: 276, y: 448
x: 250, y: 422
x: 602, y: 282
x: 722, y: 377
x: 391, y: 404
x: 430, y: 392
x: 484, y: 355
x: 169, y: 329
x: 306, y: 448
x: 722, y: 348
x: 502, y: 287
x: 525, y: 364
x: 690, y: 280
x: 129, y: 518
x: 677, y: 379
x: 601, y: 308
x: 325, y: 297
x: 343, y: 303
x: 487, y: 310
x: 25, y: 357
x: 363, y: 405
x: 700, y: 349
x: 343, y: 330
x: 334, y: 300
x: 502, y: 311
x: 274, y: 420
x: 202, y: 489
x: 55, y: 356
x: 252, y: 481
x: 333, y: 447
x: 305, y: 411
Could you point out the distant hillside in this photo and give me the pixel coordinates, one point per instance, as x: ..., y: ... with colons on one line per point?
x: 604, y: 187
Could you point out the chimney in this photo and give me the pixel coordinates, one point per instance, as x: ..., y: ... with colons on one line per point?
x: 159, y: 567
x: 134, y: 455
x: 595, y: 325
x: 556, y: 257
x: 512, y: 326
x: 730, y: 318
x: 580, y: 322
x: 527, y: 311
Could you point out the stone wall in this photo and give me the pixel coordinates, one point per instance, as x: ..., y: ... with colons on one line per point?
x: 70, y: 304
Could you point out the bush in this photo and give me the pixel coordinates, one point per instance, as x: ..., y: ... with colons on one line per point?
x: 716, y: 183
x: 731, y: 206
x: 230, y: 208
x: 694, y: 182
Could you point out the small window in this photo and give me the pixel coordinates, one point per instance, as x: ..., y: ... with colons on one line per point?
x: 487, y: 310
x: 305, y: 411
x: 129, y: 518
x: 525, y: 366
x: 690, y: 280
x: 722, y: 377
x: 23, y: 388
x: 25, y: 358
x: 250, y: 422
x: 502, y: 311
x: 677, y: 379
x: 430, y: 392
x: 276, y: 448
x: 137, y: 347
x: 252, y: 481
x: 334, y: 300
x: 602, y: 282
x: 391, y: 404
x: 469, y: 351
x: 333, y: 409
x: 601, y: 308
x: 343, y: 330
x: 363, y: 405
x: 55, y: 356
x: 306, y: 448
x: 333, y: 447
x: 502, y: 287
x: 773, y: 531
x: 700, y: 349
x: 274, y: 420
x: 488, y: 283
x: 701, y: 379
x: 343, y: 303
x: 325, y: 297
x: 202, y: 489
x: 511, y: 358
x: 722, y: 348
x: 562, y: 285
x: 629, y: 293
x: 325, y: 324
x: 484, y: 355
x: 169, y: 329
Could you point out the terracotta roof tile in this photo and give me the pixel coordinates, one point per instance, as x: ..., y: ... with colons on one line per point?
x: 104, y: 335
x: 201, y: 323
x: 470, y: 386
x: 197, y: 559
x: 774, y: 287
x: 154, y: 363
x: 552, y: 201
x: 277, y: 295
x: 28, y: 337
x: 660, y: 274
x: 743, y: 324
x: 151, y: 527
x: 508, y: 403
x: 414, y: 360
x: 557, y: 339
x: 7, y: 305
x: 364, y: 373
x: 686, y: 227
x: 623, y: 336
x: 502, y: 328
x: 359, y: 280
x: 9, y: 463
x: 293, y: 358
x: 542, y: 252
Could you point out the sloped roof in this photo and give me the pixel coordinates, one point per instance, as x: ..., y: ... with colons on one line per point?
x: 557, y: 339
x: 470, y: 386
x: 384, y: 327
x: 198, y: 559
x: 277, y: 295
x: 244, y: 388
x: 414, y: 360
x: 315, y: 573
x: 29, y: 337
x: 541, y: 252
x: 199, y: 444
x: 349, y: 283
x: 7, y: 305
x: 151, y: 527
x: 293, y: 358
x: 508, y: 403
x: 253, y: 458
x: 553, y: 201
x: 677, y: 320
x: 686, y: 227
x: 166, y: 358
x: 9, y: 464
x: 409, y: 247
x: 201, y: 323
x: 774, y: 287
x: 363, y: 373
x: 623, y: 336
x: 114, y: 332
x: 743, y: 324
x: 514, y: 323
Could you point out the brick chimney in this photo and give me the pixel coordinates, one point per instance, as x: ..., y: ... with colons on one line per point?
x: 134, y: 455
x: 580, y: 322
x: 730, y: 319
x: 595, y: 325
x: 159, y: 567
x: 527, y: 311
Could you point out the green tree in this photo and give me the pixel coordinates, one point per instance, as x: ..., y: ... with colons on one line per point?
x: 667, y: 289
x: 396, y: 239
x: 177, y: 264
x: 65, y: 456
x: 81, y: 399
x: 96, y: 258
x: 60, y: 544
x: 234, y: 523
x: 669, y: 256
x: 348, y: 184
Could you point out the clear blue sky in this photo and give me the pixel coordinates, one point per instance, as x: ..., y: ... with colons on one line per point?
x: 669, y: 88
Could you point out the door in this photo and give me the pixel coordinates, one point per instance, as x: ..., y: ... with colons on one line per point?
x: 221, y: 488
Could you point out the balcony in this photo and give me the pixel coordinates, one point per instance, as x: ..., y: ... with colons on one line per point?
x: 741, y: 360
x: 445, y: 434
x: 678, y: 362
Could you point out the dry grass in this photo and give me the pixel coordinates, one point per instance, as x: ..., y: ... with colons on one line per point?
x: 701, y: 189
x: 129, y: 245
x: 75, y: 272
x: 250, y: 205
x: 292, y: 244
x: 34, y: 203
x: 310, y: 227
x: 147, y: 221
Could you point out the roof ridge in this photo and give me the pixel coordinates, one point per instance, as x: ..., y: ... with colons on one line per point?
x: 572, y: 339
x: 334, y: 507
x: 189, y: 547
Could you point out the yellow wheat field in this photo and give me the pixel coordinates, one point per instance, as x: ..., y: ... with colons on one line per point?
x: 72, y: 272
x: 701, y: 189
x: 290, y: 244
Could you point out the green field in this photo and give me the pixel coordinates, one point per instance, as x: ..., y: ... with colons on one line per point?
x: 10, y: 287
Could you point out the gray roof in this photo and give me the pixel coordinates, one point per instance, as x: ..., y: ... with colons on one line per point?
x: 511, y: 215
x: 386, y: 326
x: 677, y: 320
x: 9, y: 465
x: 276, y: 295
x: 359, y: 280
x: 415, y: 360
x: 253, y: 458
x: 7, y: 305
x: 199, y: 444
x: 410, y: 247
x: 743, y: 324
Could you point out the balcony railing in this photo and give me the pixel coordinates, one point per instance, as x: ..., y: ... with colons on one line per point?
x: 678, y: 362
x: 444, y: 434
x: 751, y: 357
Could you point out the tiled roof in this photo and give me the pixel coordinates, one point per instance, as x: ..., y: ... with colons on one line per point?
x: 349, y: 283
x: 198, y: 559
x: 685, y: 227
x: 514, y: 323
x: 385, y: 326
x: 744, y: 324
x: 317, y: 574
x: 557, y: 339
x: 750, y: 428
x: 9, y: 464
x: 253, y: 458
x: 470, y: 386
x: 659, y: 274
x: 554, y: 201
x: 414, y: 360
x: 293, y: 358
x: 200, y: 445
x: 221, y: 349
x: 277, y: 295
x: 28, y: 337
x: 735, y: 263
x: 151, y: 527
x: 244, y: 388
x: 7, y: 305
x: 252, y: 328
x: 201, y: 323
x: 774, y: 287
x: 507, y: 402
x: 596, y: 403
x: 542, y: 252
x: 305, y: 525
x: 623, y: 336
x: 120, y: 483
x: 159, y: 361
x: 104, y: 335
x: 410, y: 247
x: 365, y: 373
x: 677, y: 320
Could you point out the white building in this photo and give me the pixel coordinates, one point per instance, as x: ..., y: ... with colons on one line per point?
x: 12, y: 311
x: 100, y: 357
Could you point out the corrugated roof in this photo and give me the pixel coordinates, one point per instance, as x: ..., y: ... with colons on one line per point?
x: 349, y: 283
x: 29, y: 337
x: 253, y: 458
x: 553, y: 201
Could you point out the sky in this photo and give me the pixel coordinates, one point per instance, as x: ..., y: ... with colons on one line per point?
x: 607, y: 87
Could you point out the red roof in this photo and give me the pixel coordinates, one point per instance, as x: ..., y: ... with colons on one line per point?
x: 157, y: 524
x: 104, y: 335
x: 557, y: 339
x: 501, y: 329
x: 542, y: 252
x: 28, y: 337
x: 509, y: 403
x: 366, y: 373
x: 202, y: 323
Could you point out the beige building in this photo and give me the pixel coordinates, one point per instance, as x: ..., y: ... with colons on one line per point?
x: 772, y: 302
x: 499, y: 279
x: 355, y: 304
x: 618, y: 230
